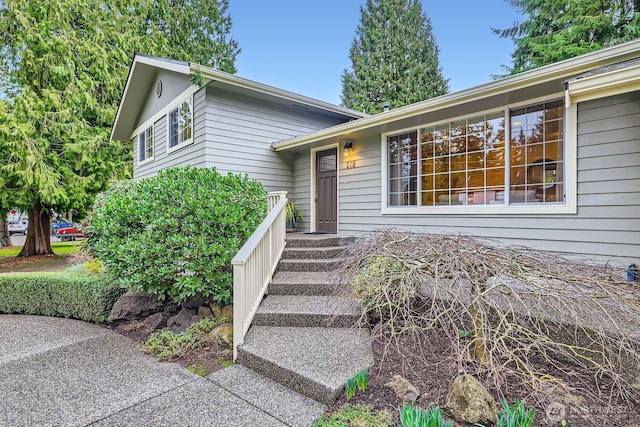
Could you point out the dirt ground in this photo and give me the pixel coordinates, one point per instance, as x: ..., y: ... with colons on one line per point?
x: 428, y: 364
x: 12, y: 264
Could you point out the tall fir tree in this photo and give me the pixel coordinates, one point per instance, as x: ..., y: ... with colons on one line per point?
x: 394, y: 58
x: 555, y: 30
x: 63, y: 65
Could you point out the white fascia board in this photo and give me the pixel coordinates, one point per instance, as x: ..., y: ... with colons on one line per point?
x: 604, y: 85
x: 230, y: 79
x: 556, y: 71
x: 165, y: 64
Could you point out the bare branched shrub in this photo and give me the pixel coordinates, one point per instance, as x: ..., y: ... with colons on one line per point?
x: 554, y: 325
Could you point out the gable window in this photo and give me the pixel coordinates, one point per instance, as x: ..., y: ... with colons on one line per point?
x: 470, y: 162
x: 145, y: 145
x: 181, y: 124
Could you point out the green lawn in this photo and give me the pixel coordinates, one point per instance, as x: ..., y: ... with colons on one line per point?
x: 59, y: 248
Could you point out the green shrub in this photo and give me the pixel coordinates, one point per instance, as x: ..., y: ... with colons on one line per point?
x: 175, y: 234
x: 88, y: 297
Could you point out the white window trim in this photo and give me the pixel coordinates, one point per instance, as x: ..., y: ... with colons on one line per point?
x: 570, y: 169
x: 148, y: 159
x: 188, y: 141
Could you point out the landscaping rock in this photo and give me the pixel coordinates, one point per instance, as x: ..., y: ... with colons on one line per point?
x: 222, y: 334
x: 155, y: 321
x: 195, y: 318
x: 180, y: 321
x: 135, y: 305
x: 403, y: 388
x: 227, y: 311
x: 172, y: 308
x: 193, y: 301
x: 216, y: 308
x: 205, y: 312
x: 468, y: 401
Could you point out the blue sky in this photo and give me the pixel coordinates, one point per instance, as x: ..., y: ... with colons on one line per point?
x: 303, y: 45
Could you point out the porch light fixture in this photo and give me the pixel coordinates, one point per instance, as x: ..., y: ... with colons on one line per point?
x: 348, y: 145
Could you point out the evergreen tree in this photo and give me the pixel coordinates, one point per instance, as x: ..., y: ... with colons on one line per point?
x: 188, y: 30
x: 560, y: 29
x: 394, y: 58
x: 63, y: 65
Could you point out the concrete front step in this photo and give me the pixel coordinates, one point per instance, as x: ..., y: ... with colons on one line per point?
x: 302, y: 265
x: 306, y: 311
x: 312, y: 253
x: 302, y: 283
x: 298, y: 240
x: 315, y: 362
x: 282, y: 403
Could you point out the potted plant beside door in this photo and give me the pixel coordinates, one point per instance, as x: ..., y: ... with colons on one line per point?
x: 293, y: 214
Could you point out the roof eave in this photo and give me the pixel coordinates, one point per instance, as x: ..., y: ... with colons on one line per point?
x: 539, y: 75
x: 233, y: 80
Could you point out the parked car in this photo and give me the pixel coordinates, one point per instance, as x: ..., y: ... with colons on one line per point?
x: 55, y: 226
x: 69, y: 233
x: 18, y: 227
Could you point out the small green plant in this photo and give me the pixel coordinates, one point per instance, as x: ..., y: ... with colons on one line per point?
x: 362, y: 379
x: 465, y: 334
x: 412, y: 416
x: 292, y: 211
x: 355, y: 415
x: 198, y: 370
x: 359, y: 381
x: 351, y: 388
x: 168, y: 346
x: 227, y: 364
x: 515, y: 415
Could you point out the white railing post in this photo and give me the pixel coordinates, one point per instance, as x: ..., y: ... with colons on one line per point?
x: 254, y: 265
x: 274, y: 197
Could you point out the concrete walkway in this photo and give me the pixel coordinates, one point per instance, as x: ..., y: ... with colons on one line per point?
x: 62, y: 372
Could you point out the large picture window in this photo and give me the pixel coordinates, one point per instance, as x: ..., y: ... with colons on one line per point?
x: 145, y: 145
x: 180, y: 124
x: 470, y: 162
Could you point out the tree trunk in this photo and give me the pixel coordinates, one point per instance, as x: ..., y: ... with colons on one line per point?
x: 38, y: 241
x: 5, y: 238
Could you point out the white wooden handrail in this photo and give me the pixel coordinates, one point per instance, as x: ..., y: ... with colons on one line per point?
x: 254, y: 265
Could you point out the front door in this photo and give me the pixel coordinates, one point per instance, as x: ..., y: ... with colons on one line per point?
x: 327, y: 191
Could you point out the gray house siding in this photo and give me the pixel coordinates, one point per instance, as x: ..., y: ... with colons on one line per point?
x: 240, y: 130
x: 173, y: 84
x: 234, y: 133
x: 189, y: 155
x: 607, y: 223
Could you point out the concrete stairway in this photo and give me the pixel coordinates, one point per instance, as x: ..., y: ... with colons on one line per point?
x: 301, y: 335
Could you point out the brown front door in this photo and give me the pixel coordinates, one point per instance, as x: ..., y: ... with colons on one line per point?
x: 327, y: 191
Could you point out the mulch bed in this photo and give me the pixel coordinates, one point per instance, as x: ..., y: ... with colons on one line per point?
x: 428, y: 364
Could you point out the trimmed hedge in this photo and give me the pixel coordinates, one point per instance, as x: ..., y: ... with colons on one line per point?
x: 88, y: 297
